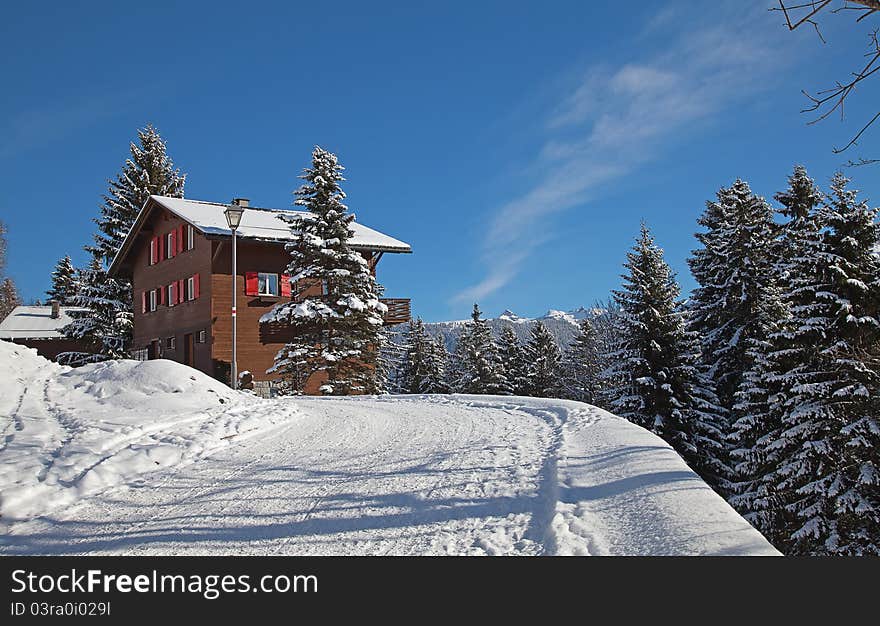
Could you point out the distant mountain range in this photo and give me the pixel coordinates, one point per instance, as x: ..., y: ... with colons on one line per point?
x: 563, y: 325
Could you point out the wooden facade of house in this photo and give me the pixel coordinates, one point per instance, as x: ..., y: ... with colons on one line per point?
x: 179, y: 261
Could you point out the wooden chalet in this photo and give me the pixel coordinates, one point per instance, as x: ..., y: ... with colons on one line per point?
x: 178, y: 257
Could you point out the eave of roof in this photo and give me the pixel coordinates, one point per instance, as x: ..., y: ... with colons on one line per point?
x: 222, y: 233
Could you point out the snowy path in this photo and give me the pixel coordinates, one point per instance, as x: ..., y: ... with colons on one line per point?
x: 407, y: 475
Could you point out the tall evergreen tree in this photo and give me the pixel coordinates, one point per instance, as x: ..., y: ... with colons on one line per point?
x: 335, y: 333
x: 581, y: 365
x: 149, y: 171
x: 511, y: 359
x: 418, y: 359
x: 782, y: 360
x: 734, y: 272
x: 437, y: 363
x: 9, y: 298
x: 475, y: 365
x: 543, y: 363
x: 658, y: 384
x: 64, y: 282
x: 105, y: 325
x: 829, y: 478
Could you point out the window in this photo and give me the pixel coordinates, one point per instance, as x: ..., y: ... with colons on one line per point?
x: 169, y: 343
x: 153, y: 299
x: 154, y: 252
x: 191, y: 288
x: 201, y: 337
x: 169, y: 245
x: 267, y: 284
x: 189, y: 237
x: 169, y: 294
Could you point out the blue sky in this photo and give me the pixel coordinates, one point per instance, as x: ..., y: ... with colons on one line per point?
x: 515, y: 145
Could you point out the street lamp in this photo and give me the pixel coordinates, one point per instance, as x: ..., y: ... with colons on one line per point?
x: 233, y: 218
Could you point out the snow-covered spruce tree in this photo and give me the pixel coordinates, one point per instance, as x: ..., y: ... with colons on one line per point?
x: 828, y: 477
x: 9, y: 298
x: 64, y: 282
x: 475, y: 365
x: 512, y: 361
x: 438, y: 359
x: 581, y: 365
x: 608, y: 328
x: 659, y: 385
x: 106, y: 325
x: 417, y: 359
x: 543, y: 363
x: 734, y: 273
x: 781, y: 363
x: 335, y: 334
x: 149, y: 171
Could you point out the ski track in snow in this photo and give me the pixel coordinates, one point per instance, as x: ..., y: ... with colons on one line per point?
x: 86, y: 469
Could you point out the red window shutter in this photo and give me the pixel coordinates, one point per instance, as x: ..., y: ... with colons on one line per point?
x: 285, y: 285
x: 181, y: 237
x: 161, y: 243
x: 161, y: 295
x: 143, y: 302
x: 195, y: 286
x: 181, y: 296
x: 251, y: 285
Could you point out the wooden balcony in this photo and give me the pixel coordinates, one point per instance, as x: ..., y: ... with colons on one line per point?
x: 398, y: 310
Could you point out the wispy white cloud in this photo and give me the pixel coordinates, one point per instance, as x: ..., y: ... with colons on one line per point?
x: 40, y: 126
x: 611, y: 120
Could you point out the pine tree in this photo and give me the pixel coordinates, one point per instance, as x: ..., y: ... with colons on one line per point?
x: 106, y: 325
x: 418, y: 359
x: 148, y: 172
x: 64, y: 282
x: 336, y: 333
x: 9, y: 298
x: 781, y: 361
x: 658, y: 385
x: 438, y: 358
x: 476, y: 368
x: 581, y: 365
x: 512, y: 361
x: 829, y: 478
x: 734, y: 271
x: 542, y: 363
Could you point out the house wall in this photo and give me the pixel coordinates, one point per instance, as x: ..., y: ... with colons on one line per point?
x: 211, y: 311
x: 181, y: 319
x: 256, y: 348
x: 51, y: 348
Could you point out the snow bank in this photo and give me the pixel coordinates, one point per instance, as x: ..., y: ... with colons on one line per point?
x: 69, y: 432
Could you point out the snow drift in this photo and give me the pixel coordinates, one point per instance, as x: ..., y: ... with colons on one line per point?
x: 69, y: 432
x: 156, y: 458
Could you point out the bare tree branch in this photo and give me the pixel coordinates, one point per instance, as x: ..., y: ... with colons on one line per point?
x: 828, y: 101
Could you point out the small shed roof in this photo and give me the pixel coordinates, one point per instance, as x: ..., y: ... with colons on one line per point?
x: 36, y: 322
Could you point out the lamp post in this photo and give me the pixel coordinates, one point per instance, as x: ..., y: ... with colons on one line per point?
x: 233, y: 218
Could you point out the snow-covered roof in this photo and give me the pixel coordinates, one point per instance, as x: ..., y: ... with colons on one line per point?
x: 256, y: 223
x: 261, y: 223
x: 35, y: 322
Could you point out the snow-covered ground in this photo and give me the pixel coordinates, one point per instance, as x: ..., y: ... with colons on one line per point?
x: 155, y: 458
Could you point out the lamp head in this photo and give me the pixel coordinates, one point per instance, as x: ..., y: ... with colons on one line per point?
x: 233, y: 215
